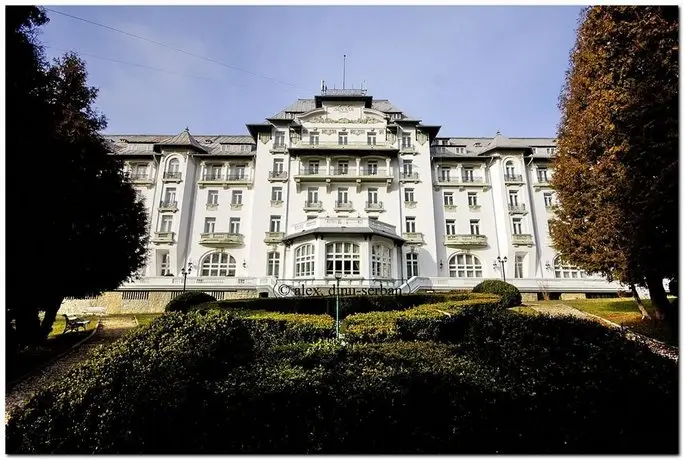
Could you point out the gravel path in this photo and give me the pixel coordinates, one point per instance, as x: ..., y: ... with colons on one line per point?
x: 110, y: 330
x: 657, y: 347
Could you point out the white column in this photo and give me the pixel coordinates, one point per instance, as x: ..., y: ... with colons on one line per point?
x: 388, y: 163
x: 358, y: 166
x: 327, y: 166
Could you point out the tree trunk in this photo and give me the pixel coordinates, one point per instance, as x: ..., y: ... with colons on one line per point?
x: 50, y: 306
x: 659, y: 298
x: 640, y: 304
x: 28, y: 325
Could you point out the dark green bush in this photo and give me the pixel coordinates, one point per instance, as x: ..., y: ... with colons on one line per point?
x: 510, y: 295
x: 187, y: 300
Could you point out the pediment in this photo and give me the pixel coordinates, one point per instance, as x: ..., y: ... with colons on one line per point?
x: 343, y: 114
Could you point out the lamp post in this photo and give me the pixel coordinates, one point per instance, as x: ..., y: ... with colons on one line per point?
x: 186, y: 271
x: 502, y: 262
x: 338, y: 276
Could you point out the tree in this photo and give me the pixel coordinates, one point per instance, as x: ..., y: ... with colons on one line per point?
x: 93, y: 232
x: 616, y: 173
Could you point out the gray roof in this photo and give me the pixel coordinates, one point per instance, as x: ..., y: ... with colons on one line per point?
x: 479, y: 146
x: 183, y: 139
x: 306, y: 105
x: 340, y: 230
x: 125, y: 144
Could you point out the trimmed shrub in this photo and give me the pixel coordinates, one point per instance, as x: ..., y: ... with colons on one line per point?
x: 187, y: 300
x: 510, y: 295
x: 289, y: 327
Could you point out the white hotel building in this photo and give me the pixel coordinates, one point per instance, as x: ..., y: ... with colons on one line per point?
x: 343, y: 186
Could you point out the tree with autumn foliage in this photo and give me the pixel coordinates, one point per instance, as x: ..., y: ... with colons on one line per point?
x: 616, y: 172
x: 85, y: 232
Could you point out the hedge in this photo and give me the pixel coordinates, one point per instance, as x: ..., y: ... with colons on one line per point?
x: 510, y: 295
x: 187, y: 300
x: 326, y: 305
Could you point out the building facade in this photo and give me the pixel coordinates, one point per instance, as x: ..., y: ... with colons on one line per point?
x: 343, y: 188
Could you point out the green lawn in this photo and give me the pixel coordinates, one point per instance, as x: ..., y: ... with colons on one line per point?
x: 625, y: 312
x: 524, y: 310
x: 146, y: 318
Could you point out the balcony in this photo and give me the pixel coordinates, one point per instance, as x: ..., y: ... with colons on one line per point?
x: 277, y: 176
x: 542, y: 182
x: 413, y: 237
x: 465, y: 240
x: 168, y: 206
x: 550, y: 207
x: 211, y: 179
x: 235, y: 206
x: 141, y: 179
x: 316, y: 206
x: 408, y: 149
x: 513, y: 178
x: 409, y: 177
x: 274, y: 237
x: 410, y: 204
x: 330, y: 224
x: 450, y: 207
x: 345, y: 174
x: 219, y: 239
x: 350, y: 145
x: 224, y: 181
x: 344, y: 206
x: 278, y: 148
x: 163, y: 237
x: 461, y: 182
x: 522, y: 239
x: 374, y: 206
x: 516, y: 209
x: 172, y: 176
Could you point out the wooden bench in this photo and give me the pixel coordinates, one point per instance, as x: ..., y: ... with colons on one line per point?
x: 74, y: 323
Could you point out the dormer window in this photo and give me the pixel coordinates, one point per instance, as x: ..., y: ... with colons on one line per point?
x: 405, y: 141
x: 208, y: 141
x: 459, y: 149
x: 279, y: 140
x: 478, y: 144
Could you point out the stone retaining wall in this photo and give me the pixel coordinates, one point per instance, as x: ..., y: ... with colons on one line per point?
x: 121, y: 302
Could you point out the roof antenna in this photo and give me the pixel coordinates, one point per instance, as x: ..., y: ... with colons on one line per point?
x: 344, y: 71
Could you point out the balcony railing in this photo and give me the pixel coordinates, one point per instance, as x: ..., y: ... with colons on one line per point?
x: 521, y: 239
x: 212, y: 177
x: 168, y: 205
x: 347, y: 222
x: 464, y: 180
x: 278, y: 147
x: 513, y: 178
x: 163, y: 237
x: 407, y: 148
x: 221, y: 238
x: 342, y: 171
x: 349, y: 145
x: 141, y: 178
x: 274, y: 237
x: 409, y: 176
x: 343, y: 206
x: 172, y: 175
x: 465, y: 240
x: 277, y: 175
x: 413, y: 237
x: 313, y: 206
x: 516, y: 208
x: 374, y: 206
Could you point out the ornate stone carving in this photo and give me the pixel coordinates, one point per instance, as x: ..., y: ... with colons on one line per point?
x: 344, y: 120
x: 357, y: 131
x: 391, y: 137
x: 318, y: 119
x: 265, y: 137
x: 342, y: 108
x: 381, y: 132
x: 421, y: 137
x: 321, y: 119
x: 328, y: 131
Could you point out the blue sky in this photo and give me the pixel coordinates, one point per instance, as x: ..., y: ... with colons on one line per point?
x: 472, y: 70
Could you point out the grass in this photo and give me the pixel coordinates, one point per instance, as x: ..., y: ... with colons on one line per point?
x: 524, y: 310
x: 146, y: 318
x: 58, y: 326
x: 624, y: 312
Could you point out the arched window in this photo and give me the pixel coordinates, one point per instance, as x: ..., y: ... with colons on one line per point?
x: 173, y: 166
x: 381, y: 261
x: 510, y: 169
x: 273, y: 264
x: 342, y: 258
x: 562, y: 269
x: 465, y: 266
x: 218, y: 264
x: 304, y: 260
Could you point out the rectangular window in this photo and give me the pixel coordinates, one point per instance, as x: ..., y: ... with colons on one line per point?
x: 277, y: 194
x: 313, y: 138
x: 408, y: 195
x: 342, y: 194
x: 373, y: 195
x: 517, y: 226
x: 166, y: 223
x: 313, y: 167
x: 513, y: 198
x: 408, y: 168
x: 448, y: 198
x: 405, y: 141
x: 342, y: 138
x: 411, y: 265
x: 542, y: 175
x: 278, y: 166
x: 234, y: 225
x: 467, y: 174
x: 372, y: 169
x: 450, y: 227
x: 213, y: 172
x: 459, y: 150
x: 209, y: 225
x: 519, y: 266
x: 474, y: 227
x: 170, y: 195
x: 236, y: 197
x: 312, y: 195
x: 410, y: 225
x: 472, y: 199
x: 273, y: 264
x: 445, y: 174
x: 275, y: 224
x: 238, y: 172
x: 548, y: 199
x: 164, y: 264
x: 372, y: 138
x: 279, y: 139
x: 343, y: 168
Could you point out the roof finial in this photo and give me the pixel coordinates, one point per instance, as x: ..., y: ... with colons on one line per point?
x: 498, y: 132
x: 187, y: 129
